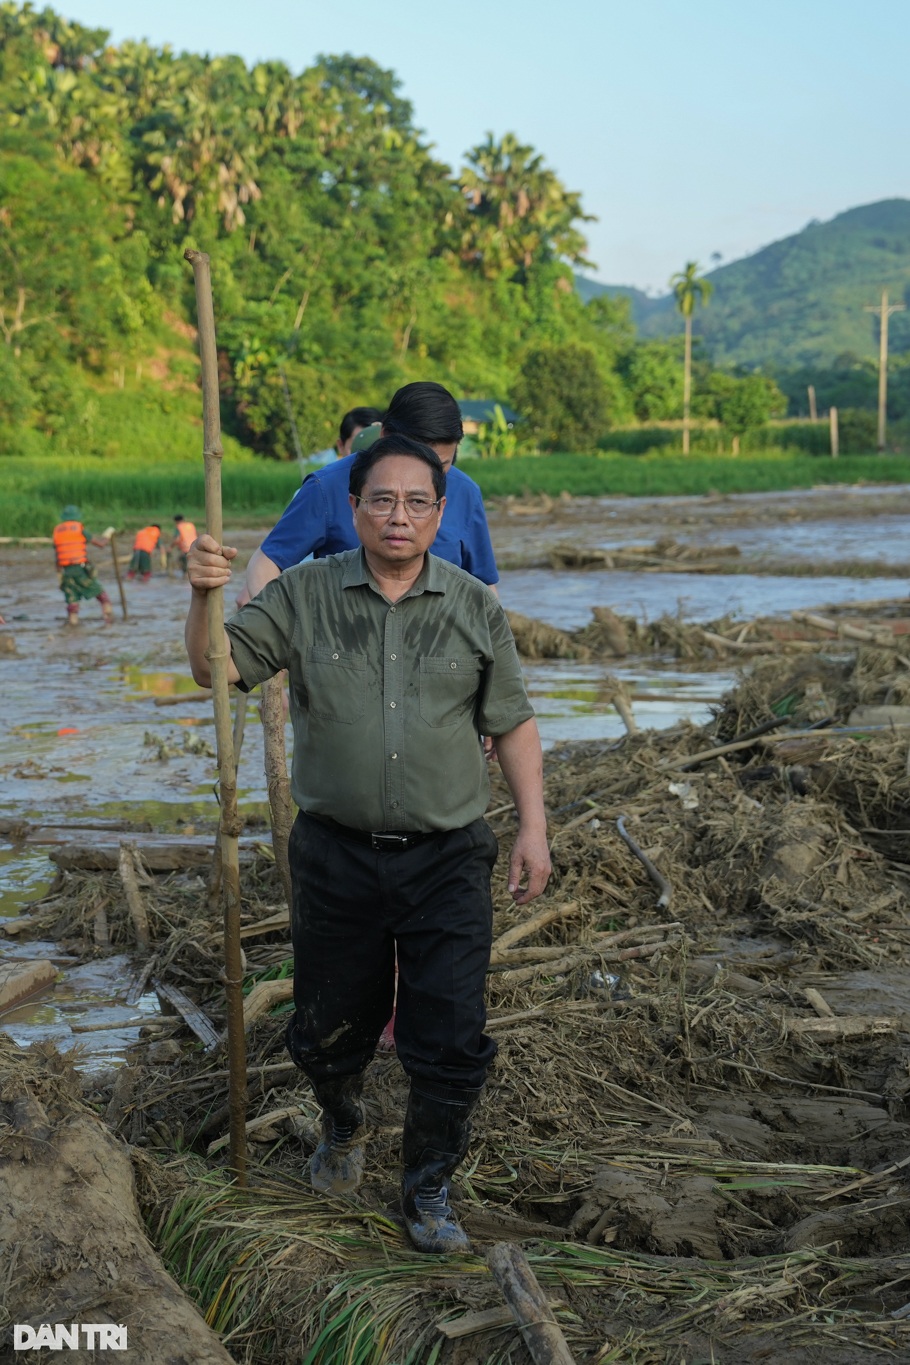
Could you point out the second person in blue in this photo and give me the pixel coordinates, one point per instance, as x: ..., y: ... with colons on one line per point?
x: 318, y: 519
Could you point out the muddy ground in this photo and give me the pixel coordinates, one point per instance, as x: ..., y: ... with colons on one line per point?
x: 697, y: 1125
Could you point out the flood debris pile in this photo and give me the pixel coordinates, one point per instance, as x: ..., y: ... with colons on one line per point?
x: 697, y: 1124
x: 726, y: 640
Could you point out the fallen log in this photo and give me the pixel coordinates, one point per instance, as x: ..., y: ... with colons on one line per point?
x: 157, y: 854
x: 72, y: 1240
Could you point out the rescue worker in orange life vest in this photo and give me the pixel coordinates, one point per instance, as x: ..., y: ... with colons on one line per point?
x: 184, y: 535
x: 77, y: 575
x: 146, y: 541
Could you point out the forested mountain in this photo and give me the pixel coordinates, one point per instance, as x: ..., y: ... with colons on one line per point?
x: 800, y: 302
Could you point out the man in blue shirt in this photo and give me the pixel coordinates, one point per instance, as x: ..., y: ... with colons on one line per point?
x: 318, y: 519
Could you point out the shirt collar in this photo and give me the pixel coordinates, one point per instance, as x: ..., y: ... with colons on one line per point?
x: 431, y: 579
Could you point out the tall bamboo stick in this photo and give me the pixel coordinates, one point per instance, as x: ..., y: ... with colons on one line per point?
x: 217, y: 657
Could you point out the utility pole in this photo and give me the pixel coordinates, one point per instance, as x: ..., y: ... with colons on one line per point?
x: 884, y: 310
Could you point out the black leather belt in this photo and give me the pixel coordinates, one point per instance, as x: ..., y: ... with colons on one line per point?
x: 383, y: 841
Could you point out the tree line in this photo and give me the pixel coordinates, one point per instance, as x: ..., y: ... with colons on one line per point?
x: 347, y: 258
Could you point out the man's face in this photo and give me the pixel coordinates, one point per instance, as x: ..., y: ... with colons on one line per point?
x: 398, y: 538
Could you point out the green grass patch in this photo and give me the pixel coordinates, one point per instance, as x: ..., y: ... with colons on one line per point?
x: 657, y: 475
x: 130, y: 493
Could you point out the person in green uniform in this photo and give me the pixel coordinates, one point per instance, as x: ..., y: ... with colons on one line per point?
x: 398, y: 663
x: 77, y: 575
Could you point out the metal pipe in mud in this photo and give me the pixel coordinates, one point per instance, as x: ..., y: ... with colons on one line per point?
x: 227, y: 769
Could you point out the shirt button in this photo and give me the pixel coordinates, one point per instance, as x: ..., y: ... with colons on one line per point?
x: 453, y: 664
x: 394, y: 805
x: 393, y: 657
x: 392, y: 609
x: 393, y: 755
x: 393, y: 704
x: 334, y: 656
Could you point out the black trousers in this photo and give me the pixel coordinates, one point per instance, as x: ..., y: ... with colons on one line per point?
x: 352, y: 908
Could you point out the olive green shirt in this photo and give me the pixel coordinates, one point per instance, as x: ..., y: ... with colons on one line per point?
x: 388, y: 700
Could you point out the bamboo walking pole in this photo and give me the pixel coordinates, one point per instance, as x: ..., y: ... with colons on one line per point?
x: 117, y: 575
x: 217, y: 656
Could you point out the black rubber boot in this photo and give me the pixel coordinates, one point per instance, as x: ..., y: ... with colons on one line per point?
x: 336, y: 1166
x: 437, y: 1130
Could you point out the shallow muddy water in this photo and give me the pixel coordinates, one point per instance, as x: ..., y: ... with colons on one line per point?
x: 566, y: 598
x: 80, y: 733
x: 866, y: 525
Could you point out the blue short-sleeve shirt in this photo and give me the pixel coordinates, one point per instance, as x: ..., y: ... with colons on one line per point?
x: 318, y: 521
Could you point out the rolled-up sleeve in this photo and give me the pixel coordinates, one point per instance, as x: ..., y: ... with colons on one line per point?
x: 504, y: 700
x: 261, y: 634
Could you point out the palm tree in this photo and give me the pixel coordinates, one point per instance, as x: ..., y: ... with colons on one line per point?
x: 689, y: 289
x: 519, y: 212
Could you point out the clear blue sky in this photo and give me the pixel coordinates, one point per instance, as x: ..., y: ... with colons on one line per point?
x: 689, y: 128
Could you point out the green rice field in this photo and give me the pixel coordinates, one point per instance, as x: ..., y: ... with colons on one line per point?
x: 128, y: 493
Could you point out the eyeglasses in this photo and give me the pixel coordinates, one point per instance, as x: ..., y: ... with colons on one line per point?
x: 383, y: 505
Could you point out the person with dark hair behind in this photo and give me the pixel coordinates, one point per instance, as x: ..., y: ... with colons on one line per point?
x: 397, y: 662
x: 318, y: 519
x: 352, y: 424
x: 350, y: 428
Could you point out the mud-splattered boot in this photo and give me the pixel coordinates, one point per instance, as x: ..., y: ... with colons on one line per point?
x: 336, y: 1166
x: 437, y: 1131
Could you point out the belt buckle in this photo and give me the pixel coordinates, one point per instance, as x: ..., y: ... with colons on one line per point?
x: 385, y: 842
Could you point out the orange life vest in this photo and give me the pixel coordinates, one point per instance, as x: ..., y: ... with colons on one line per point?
x: 147, y: 538
x: 70, y: 544
x: 186, y: 534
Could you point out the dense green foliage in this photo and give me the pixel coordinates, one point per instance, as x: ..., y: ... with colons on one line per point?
x: 563, y: 396
x: 347, y: 260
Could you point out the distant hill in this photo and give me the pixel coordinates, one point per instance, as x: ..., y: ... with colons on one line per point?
x: 799, y: 301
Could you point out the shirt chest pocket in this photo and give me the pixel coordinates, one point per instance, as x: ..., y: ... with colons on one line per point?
x: 335, y: 684
x: 448, y: 689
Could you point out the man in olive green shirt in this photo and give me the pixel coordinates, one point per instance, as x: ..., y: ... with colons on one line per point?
x: 397, y: 663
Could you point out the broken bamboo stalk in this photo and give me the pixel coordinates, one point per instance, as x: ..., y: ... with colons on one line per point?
x: 845, y: 629
x: 193, y: 1016
x: 527, y: 927
x: 126, y: 864
x: 654, y: 873
x: 263, y: 996
x: 529, y: 1305
x: 558, y: 966
x: 281, y: 810
x: 227, y: 770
